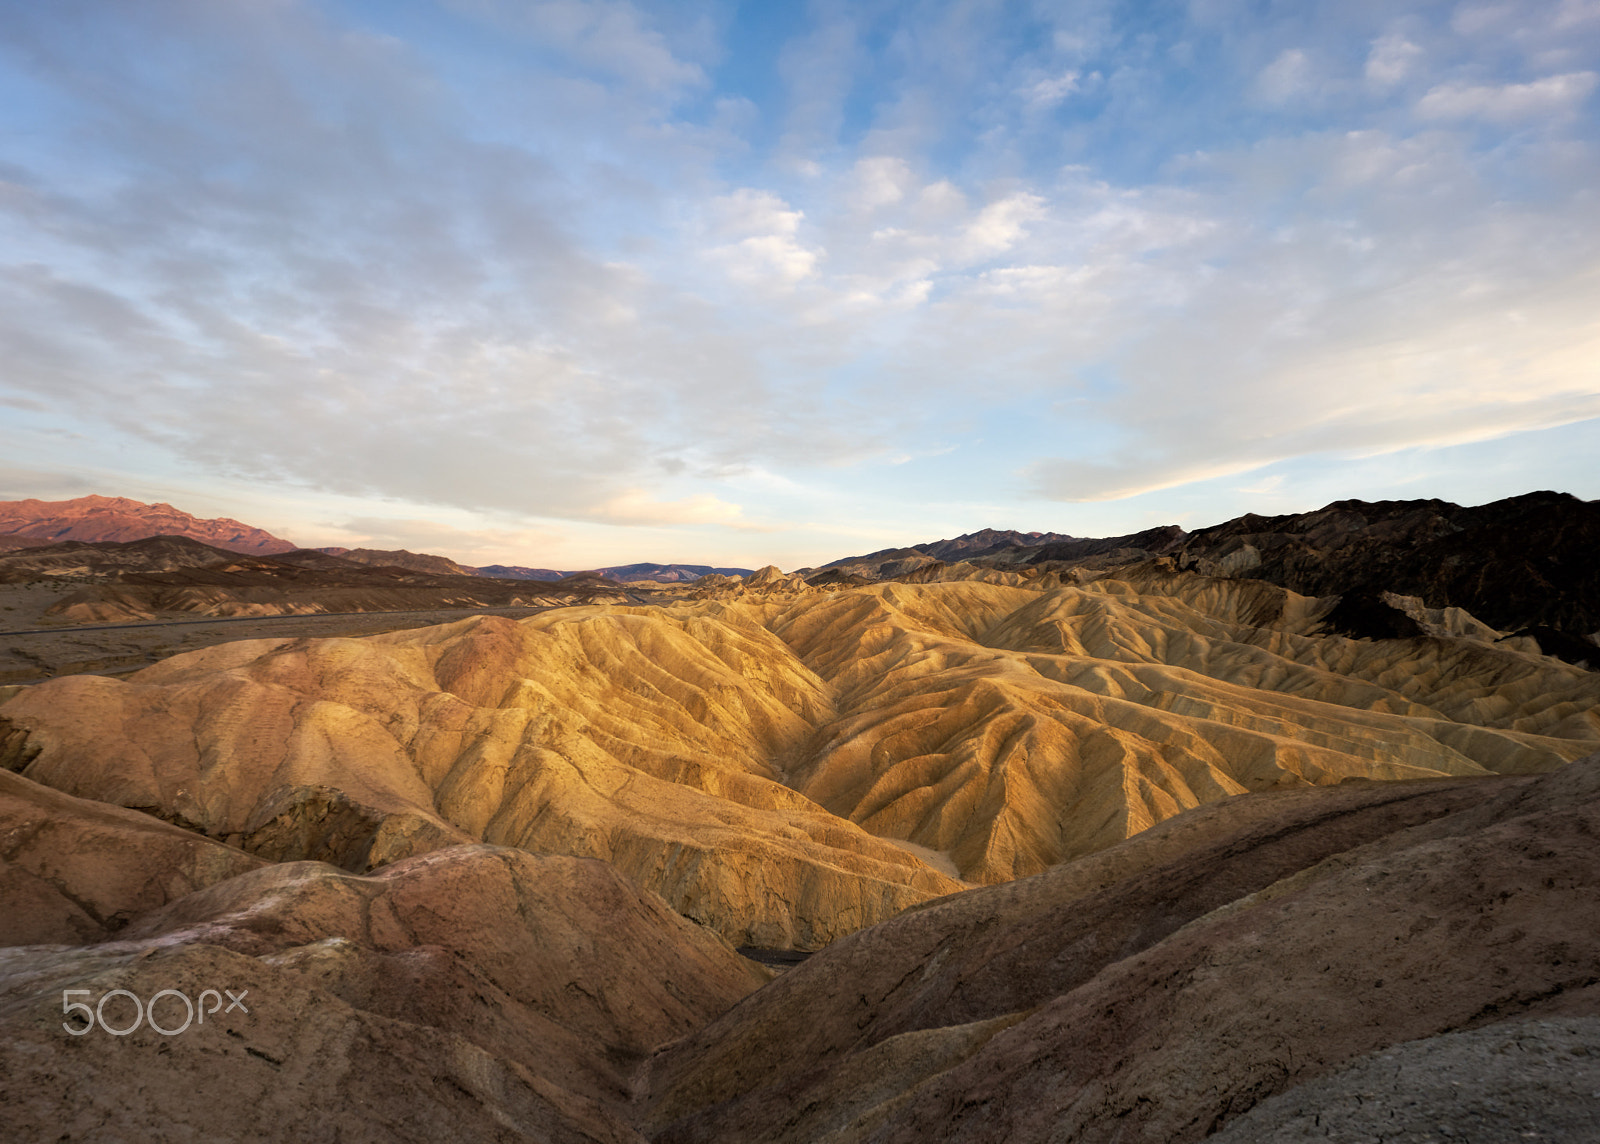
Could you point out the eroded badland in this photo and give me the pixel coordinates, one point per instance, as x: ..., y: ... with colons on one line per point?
x: 1137, y: 852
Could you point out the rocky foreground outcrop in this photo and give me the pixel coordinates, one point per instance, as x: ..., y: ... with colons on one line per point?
x: 1157, y: 991
x: 789, y: 765
x: 1399, y: 960
x: 474, y: 993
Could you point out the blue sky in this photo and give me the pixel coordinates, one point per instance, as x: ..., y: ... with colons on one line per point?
x: 568, y: 283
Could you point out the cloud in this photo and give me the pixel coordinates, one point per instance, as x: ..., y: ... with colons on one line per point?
x: 18, y: 483
x: 640, y: 507
x: 768, y: 254
x: 1000, y: 225
x: 613, y: 37
x: 1047, y: 93
x: 1266, y: 486
x: 1391, y: 59
x: 1552, y: 95
x: 880, y: 181
x: 463, y: 545
x: 563, y: 273
x: 1287, y: 77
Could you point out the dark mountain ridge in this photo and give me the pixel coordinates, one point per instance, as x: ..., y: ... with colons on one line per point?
x: 1522, y: 562
x: 1525, y: 565
x: 624, y: 573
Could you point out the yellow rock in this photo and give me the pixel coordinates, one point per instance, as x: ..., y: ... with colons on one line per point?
x: 788, y: 765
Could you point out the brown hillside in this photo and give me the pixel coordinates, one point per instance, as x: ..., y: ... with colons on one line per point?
x: 1157, y: 990
x: 474, y: 993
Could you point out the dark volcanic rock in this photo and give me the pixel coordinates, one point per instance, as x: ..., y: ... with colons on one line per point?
x: 668, y: 573
x: 519, y: 572
x: 171, y: 574
x: 1564, y: 645
x: 1363, y: 615
x: 623, y: 573
x: 1005, y: 551
x: 836, y: 577
x: 109, y: 559
x: 1151, y: 542
x: 401, y: 558
x: 1515, y: 563
x: 986, y: 542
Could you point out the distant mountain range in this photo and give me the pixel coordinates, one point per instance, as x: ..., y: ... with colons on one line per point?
x: 97, y: 518
x: 1523, y: 562
x: 133, y: 580
x: 993, y: 548
x: 1524, y: 565
x: 93, y: 519
x: 626, y: 573
x: 400, y: 558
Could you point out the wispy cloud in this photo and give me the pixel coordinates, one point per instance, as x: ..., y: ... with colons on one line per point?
x: 575, y: 261
x: 1555, y: 94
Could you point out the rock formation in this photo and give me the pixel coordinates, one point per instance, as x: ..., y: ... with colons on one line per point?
x: 476, y: 992
x: 400, y: 558
x: 1159, y: 989
x: 789, y: 765
x: 1140, y: 855
x: 1515, y: 563
x: 107, y: 560
x: 75, y: 871
x: 1524, y: 564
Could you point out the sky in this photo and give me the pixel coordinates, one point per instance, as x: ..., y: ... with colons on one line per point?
x: 566, y: 283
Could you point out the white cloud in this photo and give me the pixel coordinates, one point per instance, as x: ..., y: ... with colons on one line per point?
x: 1552, y: 95
x: 771, y: 260
x: 464, y: 545
x: 1391, y: 59
x: 769, y: 254
x: 1287, y: 77
x: 610, y: 35
x: 751, y: 211
x: 1047, y: 93
x: 879, y: 181
x: 1266, y: 486
x: 1001, y: 224
x: 640, y: 507
x: 563, y: 290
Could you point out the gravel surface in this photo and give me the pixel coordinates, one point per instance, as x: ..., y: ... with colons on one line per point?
x: 1533, y: 1081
